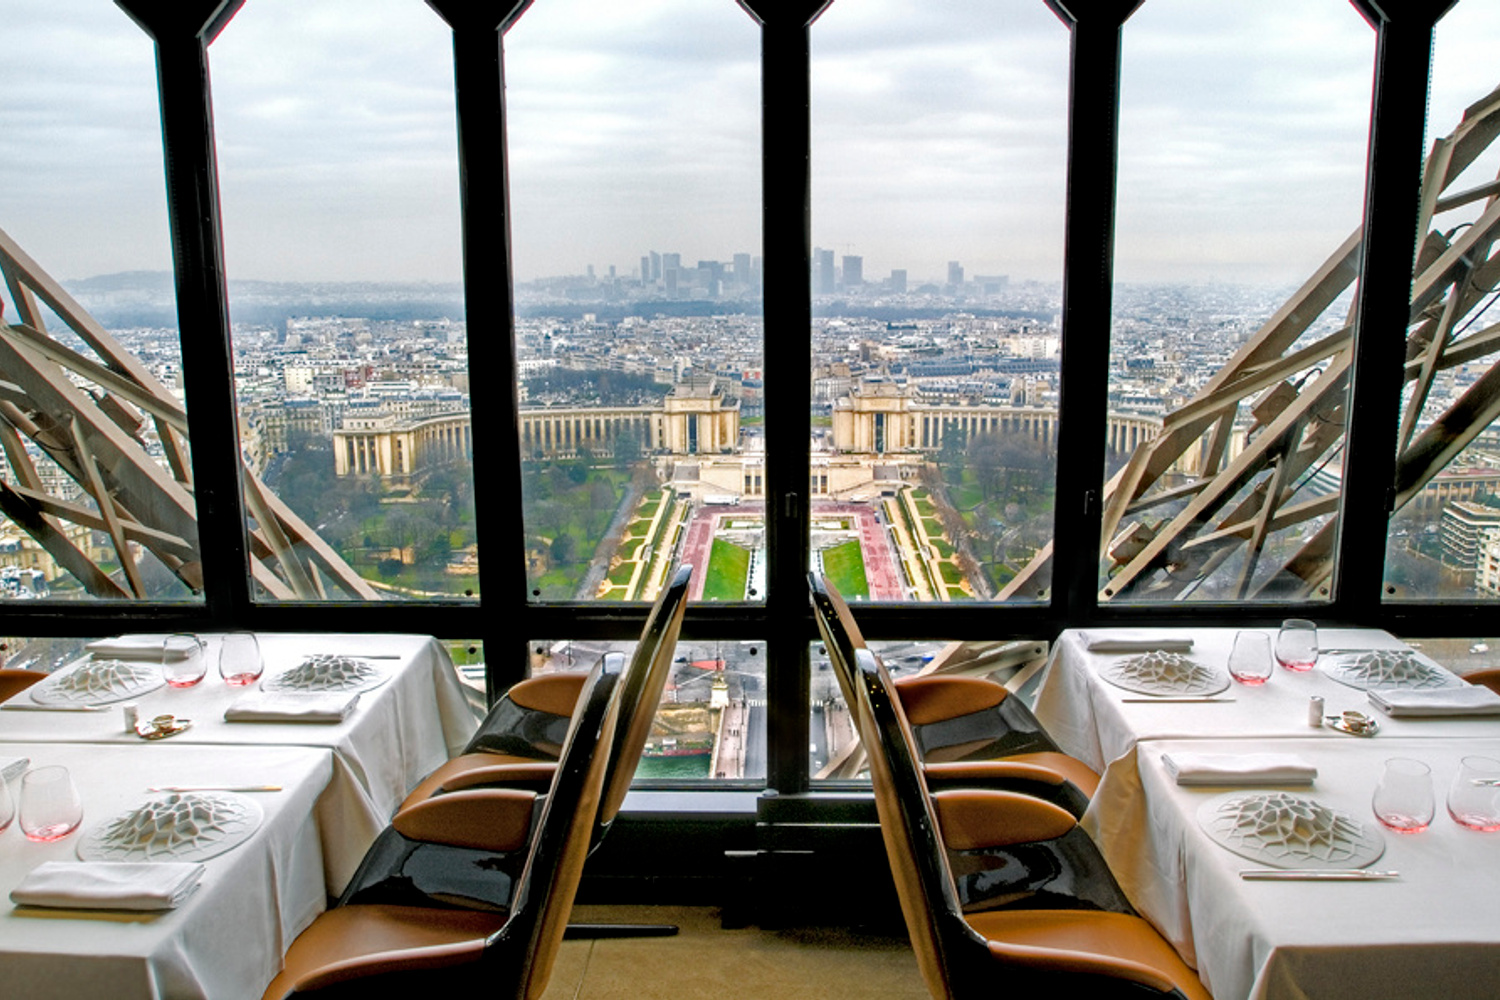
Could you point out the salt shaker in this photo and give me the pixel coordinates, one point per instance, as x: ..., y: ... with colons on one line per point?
x: 132, y: 715
x: 1315, y: 710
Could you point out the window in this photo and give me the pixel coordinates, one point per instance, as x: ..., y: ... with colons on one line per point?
x: 656, y: 93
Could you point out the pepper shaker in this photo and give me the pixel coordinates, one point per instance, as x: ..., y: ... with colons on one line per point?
x: 1315, y: 711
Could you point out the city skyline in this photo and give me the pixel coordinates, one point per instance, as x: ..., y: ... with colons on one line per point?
x: 935, y: 138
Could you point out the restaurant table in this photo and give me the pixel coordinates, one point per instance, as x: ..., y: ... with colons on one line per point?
x: 398, y: 733
x: 1091, y: 719
x: 1432, y: 932
x: 226, y: 940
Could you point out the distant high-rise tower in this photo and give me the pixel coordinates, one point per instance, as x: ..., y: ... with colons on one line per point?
x: 742, y: 270
x: 956, y: 275
x: 824, y: 284
x: 645, y: 270
x: 854, y: 271
x: 655, y: 274
x: 898, y: 282
x: 670, y: 262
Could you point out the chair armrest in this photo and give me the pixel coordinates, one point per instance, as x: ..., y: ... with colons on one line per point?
x: 555, y: 694
x: 976, y: 819
x: 524, y: 776
x: 983, y: 771
x: 488, y: 819
x: 926, y: 700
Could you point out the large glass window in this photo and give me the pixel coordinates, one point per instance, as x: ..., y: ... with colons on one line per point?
x: 634, y: 153
x: 1444, y: 542
x: 1242, y: 153
x: 341, y: 221
x: 97, y: 496
x: 938, y: 168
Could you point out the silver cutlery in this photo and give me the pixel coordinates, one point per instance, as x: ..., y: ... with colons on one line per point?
x: 215, y: 788
x: 23, y: 706
x: 1316, y: 874
x: 1176, y: 699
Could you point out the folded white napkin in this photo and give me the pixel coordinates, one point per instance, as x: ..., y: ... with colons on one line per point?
x: 108, y: 885
x: 142, y: 646
x: 1239, y: 768
x: 1471, y: 699
x: 264, y: 706
x: 12, y: 767
x: 1125, y: 640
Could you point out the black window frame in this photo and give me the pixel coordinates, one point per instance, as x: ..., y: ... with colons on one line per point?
x: 506, y: 617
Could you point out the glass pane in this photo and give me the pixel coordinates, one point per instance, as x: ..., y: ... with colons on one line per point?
x: 835, y: 753
x: 1242, y: 150
x: 635, y: 166
x: 90, y: 374
x: 1443, y: 539
x: 939, y: 152
x: 338, y: 157
x: 711, y: 723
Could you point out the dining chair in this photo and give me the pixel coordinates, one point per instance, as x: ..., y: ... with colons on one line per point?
x: 1097, y: 953
x: 398, y: 868
x: 1484, y: 678
x: 13, y: 682
x: 519, y: 736
x: 439, y: 948
x: 969, y: 732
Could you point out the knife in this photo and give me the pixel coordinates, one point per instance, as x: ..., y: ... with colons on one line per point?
x: 22, y: 706
x: 1316, y: 874
x: 215, y: 788
x: 1174, y: 698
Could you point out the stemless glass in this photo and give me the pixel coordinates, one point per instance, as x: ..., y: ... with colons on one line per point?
x: 1297, y: 644
x: 1403, y: 800
x: 1250, y: 659
x: 50, y: 807
x: 183, y: 663
x: 1474, y: 796
x: 239, y: 659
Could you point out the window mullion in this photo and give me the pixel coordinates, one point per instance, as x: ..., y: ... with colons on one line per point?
x: 1398, y: 115
x: 1088, y: 282
x: 182, y: 34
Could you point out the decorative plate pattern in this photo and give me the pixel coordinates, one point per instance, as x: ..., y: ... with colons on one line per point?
x: 1163, y: 673
x: 1282, y: 830
x: 1388, y: 668
x: 328, y: 672
x: 98, y: 682
x: 186, y: 826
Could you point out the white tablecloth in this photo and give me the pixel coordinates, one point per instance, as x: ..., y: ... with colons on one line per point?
x: 400, y: 732
x: 226, y: 941
x: 1435, y: 932
x: 1090, y: 719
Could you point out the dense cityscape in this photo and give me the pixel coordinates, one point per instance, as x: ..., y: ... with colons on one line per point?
x: 342, y: 389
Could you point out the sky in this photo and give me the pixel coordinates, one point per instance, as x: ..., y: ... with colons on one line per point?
x: 939, y: 134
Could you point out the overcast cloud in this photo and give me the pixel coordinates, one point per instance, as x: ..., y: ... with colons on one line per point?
x: 939, y: 134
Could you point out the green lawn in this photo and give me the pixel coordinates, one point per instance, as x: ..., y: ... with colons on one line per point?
x: 638, y: 529
x: 950, y: 573
x: 728, y: 569
x: 845, y: 565
x: 620, y: 575
x: 942, y: 548
x: 933, y: 526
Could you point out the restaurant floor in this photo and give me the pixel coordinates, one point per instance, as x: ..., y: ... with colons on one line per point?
x: 704, y: 960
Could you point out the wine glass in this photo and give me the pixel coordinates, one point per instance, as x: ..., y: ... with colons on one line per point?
x: 239, y: 659
x: 1250, y: 659
x: 1403, y: 799
x: 1474, y: 796
x: 50, y: 807
x: 1297, y: 644
x: 183, y: 662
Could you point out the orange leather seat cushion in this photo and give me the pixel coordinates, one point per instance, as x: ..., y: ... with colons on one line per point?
x: 1089, y: 940
x: 401, y: 937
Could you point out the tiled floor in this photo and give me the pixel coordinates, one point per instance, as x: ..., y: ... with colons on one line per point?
x: 704, y: 961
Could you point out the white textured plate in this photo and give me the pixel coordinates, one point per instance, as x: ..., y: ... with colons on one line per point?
x: 97, y: 682
x: 1282, y: 830
x: 321, y: 673
x: 1388, y: 668
x: 177, y: 826
x: 1164, y: 673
